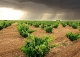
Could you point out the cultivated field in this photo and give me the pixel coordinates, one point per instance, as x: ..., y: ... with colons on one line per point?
x: 39, y: 39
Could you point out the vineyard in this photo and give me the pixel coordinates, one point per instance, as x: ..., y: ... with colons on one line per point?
x: 39, y: 38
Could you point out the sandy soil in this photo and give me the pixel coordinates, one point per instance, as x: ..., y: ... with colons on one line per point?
x: 11, y: 41
x: 70, y: 51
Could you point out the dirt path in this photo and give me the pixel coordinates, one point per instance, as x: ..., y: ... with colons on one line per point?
x: 10, y: 42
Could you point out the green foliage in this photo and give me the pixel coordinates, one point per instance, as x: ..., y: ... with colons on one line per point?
x: 29, y: 23
x: 55, y: 25
x: 73, y: 36
x: 36, y: 24
x: 24, y: 30
x: 30, y: 31
x: 37, y: 47
x: 43, y: 26
x: 4, y: 24
x: 64, y: 24
x: 1, y: 27
x: 74, y: 25
x: 48, y: 24
x: 48, y: 29
x: 79, y: 28
x: 69, y: 23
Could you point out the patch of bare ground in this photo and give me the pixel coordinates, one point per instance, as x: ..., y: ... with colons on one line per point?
x: 70, y: 51
x: 10, y: 42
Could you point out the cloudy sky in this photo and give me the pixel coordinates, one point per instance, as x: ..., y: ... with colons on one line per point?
x: 40, y: 9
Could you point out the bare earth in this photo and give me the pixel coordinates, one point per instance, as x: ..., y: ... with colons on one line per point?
x: 11, y: 41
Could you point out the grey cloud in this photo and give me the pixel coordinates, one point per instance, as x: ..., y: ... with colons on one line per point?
x: 37, y: 8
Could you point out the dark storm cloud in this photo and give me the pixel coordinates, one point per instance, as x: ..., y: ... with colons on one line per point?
x: 36, y: 8
x: 66, y: 4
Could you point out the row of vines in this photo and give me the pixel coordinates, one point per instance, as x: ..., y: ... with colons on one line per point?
x: 39, y: 47
x: 4, y: 24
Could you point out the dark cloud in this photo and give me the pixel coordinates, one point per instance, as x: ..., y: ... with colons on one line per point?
x: 65, y: 4
x: 67, y: 9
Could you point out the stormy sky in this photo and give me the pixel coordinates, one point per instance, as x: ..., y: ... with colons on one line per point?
x: 45, y: 9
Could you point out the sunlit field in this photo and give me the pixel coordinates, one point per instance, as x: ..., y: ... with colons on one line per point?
x: 39, y: 38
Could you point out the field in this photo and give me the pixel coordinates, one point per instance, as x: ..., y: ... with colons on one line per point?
x: 65, y: 36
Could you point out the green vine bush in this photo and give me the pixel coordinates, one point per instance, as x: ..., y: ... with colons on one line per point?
x: 55, y: 25
x: 36, y: 24
x: 37, y: 47
x: 64, y: 24
x: 72, y: 36
x: 24, y: 30
x: 4, y: 24
x: 48, y: 29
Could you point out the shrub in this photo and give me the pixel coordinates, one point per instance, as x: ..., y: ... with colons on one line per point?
x: 1, y: 27
x: 64, y: 24
x: 48, y: 29
x: 24, y: 33
x: 79, y: 28
x: 22, y: 27
x: 30, y: 31
x: 29, y: 23
x: 24, y: 30
x: 37, y: 47
x: 36, y: 24
x: 73, y: 36
x: 43, y: 26
x: 74, y: 25
x: 55, y: 25
x: 48, y: 24
x: 4, y: 24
